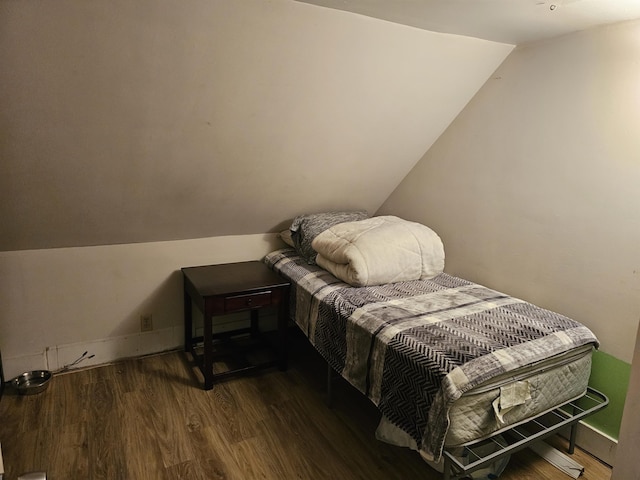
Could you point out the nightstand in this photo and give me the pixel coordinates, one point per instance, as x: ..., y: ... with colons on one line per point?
x: 219, y: 290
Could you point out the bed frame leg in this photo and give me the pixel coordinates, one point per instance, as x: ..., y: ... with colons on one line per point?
x: 329, y: 386
x: 572, y: 438
x: 447, y: 468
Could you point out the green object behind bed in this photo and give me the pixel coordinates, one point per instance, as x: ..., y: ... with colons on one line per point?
x: 610, y: 376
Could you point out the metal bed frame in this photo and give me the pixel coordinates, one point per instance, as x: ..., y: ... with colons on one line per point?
x: 519, y: 437
x: 462, y: 460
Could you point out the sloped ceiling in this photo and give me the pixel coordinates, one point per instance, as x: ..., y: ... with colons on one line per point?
x: 128, y: 122
x: 160, y: 120
x: 508, y: 21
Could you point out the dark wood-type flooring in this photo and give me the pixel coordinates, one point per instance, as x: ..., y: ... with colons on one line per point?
x: 148, y: 418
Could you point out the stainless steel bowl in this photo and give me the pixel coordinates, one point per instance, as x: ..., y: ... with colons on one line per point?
x: 30, y: 383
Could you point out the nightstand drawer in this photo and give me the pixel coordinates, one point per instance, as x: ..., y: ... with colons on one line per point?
x: 244, y: 302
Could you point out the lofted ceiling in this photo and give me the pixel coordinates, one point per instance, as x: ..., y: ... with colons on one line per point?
x: 160, y: 120
x: 150, y: 121
x: 506, y: 21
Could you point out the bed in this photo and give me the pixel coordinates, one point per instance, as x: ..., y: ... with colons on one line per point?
x: 447, y: 362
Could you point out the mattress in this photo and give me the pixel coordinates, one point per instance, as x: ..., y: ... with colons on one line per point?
x: 473, y: 417
x: 445, y: 360
x: 554, y: 382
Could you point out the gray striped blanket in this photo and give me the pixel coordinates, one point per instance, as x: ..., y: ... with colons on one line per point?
x: 415, y: 347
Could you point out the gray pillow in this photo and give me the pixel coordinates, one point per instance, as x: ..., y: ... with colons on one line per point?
x: 285, y: 236
x: 306, y: 227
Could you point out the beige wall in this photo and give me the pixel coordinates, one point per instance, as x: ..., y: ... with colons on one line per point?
x: 534, y: 188
x: 57, y: 303
x: 137, y: 121
x: 145, y: 136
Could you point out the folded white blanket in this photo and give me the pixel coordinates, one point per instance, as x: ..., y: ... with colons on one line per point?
x: 379, y: 250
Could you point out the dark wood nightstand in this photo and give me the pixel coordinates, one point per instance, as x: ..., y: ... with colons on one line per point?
x: 227, y: 288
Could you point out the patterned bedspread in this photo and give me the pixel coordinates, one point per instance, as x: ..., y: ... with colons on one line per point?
x: 415, y: 347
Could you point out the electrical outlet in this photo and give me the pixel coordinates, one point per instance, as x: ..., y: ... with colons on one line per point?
x: 146, y: 322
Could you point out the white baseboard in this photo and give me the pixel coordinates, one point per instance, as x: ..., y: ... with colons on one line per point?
x: 98, y: 351
x: 14, y: 366
x: 597, y: 443
x: 107, y: 350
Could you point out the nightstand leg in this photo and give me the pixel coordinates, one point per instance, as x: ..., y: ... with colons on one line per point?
x: 282, y: 333
x: 188, y: 324
x: 207, y: 365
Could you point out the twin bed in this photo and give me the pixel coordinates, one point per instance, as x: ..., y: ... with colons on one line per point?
x: 447, y: 362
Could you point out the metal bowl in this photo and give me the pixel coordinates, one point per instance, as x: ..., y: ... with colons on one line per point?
x: 30, y: 383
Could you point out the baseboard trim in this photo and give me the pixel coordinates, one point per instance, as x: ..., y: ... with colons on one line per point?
x: 98, y: 352
x: 597, y: 443
x: 108, y: 350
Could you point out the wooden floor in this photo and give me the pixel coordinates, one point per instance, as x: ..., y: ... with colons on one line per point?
x: 148, y: 419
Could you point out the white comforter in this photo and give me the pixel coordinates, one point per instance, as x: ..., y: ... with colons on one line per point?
x: 380, y: 250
